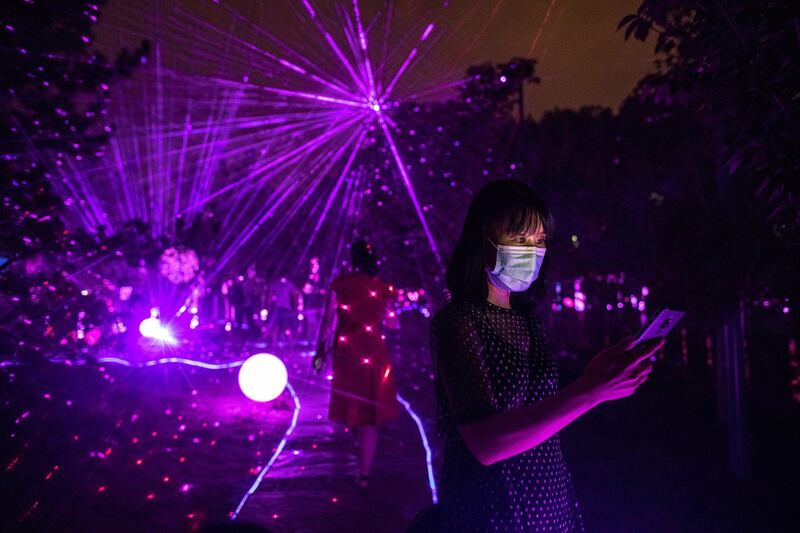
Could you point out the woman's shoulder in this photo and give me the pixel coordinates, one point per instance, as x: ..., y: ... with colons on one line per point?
x: 455, y: 311
x: 341, y: 278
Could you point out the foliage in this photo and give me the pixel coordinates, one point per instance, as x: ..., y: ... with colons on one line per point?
x: 55, y: 91
x: 735, y: 64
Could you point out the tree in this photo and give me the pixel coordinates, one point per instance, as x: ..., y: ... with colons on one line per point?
x: 735, y: 63
x: 55, y: 91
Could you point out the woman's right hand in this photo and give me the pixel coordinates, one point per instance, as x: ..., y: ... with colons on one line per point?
x: 320, y: 357
x: 619, y: 370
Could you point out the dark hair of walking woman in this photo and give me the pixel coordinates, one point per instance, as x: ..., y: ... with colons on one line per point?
x: 362, y: 256
x: 508, y: 206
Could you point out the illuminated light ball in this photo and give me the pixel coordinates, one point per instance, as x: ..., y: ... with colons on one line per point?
x: 150, y: 327
x: 262, y: 377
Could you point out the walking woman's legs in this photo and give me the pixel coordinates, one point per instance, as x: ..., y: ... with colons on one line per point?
x: 367, y: 442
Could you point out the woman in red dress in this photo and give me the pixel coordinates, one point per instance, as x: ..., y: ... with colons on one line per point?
x: 363, y: 390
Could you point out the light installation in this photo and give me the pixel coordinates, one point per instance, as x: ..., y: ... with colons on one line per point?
x: 262, y: 377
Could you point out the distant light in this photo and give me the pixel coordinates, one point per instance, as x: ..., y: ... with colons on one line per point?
x: 153, y: 329
x: 645, y: 291
x: 785, y: 310
x: 149, y: 327
x: 262, y: 377
x: 503, y: 79
x: 376, y: 107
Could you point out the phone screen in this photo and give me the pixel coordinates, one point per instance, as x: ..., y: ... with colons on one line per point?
x: 662, y: 324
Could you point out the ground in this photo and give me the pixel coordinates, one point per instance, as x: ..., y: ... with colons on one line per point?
x: 171, y: 447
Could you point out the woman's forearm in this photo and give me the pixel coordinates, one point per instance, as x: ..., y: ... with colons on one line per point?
x: 504, y: 435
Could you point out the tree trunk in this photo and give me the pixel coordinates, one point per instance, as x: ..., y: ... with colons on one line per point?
x: 731, y: 406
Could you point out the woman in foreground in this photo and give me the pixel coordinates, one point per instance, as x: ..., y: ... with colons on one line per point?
x: 499, y: 407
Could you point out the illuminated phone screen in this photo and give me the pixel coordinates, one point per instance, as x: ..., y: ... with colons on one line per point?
x: 660, y: 326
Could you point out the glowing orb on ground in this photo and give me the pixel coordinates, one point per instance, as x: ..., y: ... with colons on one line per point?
x: 262, y: 377
x: 153, y: 329
x: 150, y: 327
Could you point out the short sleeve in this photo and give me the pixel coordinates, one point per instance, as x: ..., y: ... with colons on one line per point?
x: 458, y: 358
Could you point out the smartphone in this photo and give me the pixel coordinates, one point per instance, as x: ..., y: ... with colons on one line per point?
x: 661, y: 324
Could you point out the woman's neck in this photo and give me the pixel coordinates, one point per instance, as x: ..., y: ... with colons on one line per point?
x: 499, y: 297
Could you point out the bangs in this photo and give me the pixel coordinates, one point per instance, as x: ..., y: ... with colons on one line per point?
x: 526, y: 219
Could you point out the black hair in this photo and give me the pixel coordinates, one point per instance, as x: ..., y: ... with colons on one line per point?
x: 363, y: 258
x: 508, y: 205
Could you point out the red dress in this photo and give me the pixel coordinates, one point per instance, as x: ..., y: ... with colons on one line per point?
x: 363, y: 390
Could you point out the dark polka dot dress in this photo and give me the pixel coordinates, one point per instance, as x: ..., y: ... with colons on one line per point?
x: 487, y: 360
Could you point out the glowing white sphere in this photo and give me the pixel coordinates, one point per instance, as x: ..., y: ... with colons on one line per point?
x: 150, y: 327
x: 262, y: 377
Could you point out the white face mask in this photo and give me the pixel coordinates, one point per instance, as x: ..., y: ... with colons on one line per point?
x: 516, y: 267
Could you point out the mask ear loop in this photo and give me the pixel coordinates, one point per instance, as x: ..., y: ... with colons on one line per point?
x: 496, y: 249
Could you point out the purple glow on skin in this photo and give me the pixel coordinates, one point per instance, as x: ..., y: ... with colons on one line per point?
x: 424, y: 437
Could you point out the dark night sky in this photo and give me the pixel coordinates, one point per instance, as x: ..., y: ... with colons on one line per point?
x: 583, y: 60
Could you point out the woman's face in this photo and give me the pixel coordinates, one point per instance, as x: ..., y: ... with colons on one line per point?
x: 499, y: 236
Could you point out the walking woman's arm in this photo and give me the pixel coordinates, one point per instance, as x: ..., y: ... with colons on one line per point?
x: 326, y: 330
